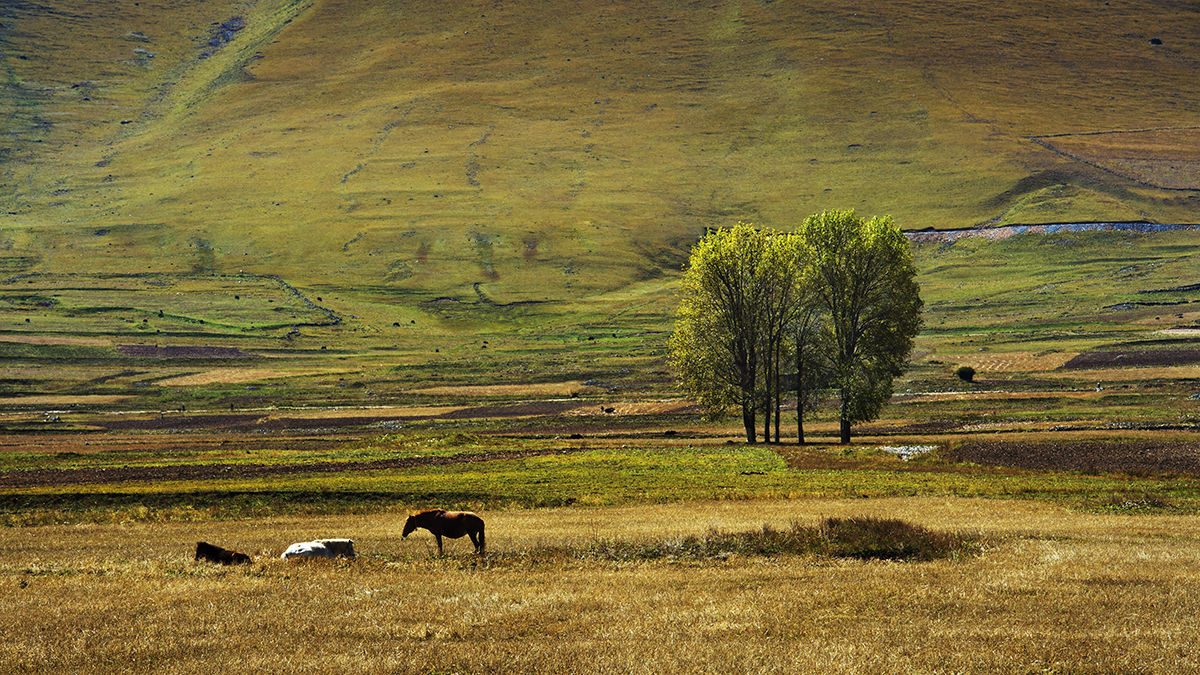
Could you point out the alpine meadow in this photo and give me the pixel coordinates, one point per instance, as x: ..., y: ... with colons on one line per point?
x: 278, y: 275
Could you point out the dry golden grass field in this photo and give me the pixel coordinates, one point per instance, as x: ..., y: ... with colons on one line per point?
x: 1051, y: 592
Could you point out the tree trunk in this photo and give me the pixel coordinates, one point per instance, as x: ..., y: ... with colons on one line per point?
x: 844, y: 418
x: 768, y: 369
x: 775, y: 386
x: 748, y: 420
x: 767, y: 409
x: 767, y: 420
x: 778, y: 411
x: 799, y: 395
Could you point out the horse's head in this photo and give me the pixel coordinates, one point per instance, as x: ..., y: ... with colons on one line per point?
x: 409, y: 526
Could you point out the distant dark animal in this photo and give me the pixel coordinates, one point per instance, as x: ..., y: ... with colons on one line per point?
x: 453, y: 524
x: 321, y: 548
x: 216, y: 554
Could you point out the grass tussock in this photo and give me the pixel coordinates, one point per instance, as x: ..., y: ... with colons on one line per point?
x: 858, y: 537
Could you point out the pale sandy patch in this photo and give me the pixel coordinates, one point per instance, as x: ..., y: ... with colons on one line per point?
x: 1009, y: 361
x: 545, y: 389
x: 235, y: 375
x: 633, y: 408
x: 54, y: 340
x: 96, y: 399
x: 381, y: 411
x: 1014, y: 426
x: 997, y: 395
x: 1130, y: 374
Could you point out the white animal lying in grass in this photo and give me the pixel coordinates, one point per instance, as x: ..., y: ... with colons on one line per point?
x: 321, y: 548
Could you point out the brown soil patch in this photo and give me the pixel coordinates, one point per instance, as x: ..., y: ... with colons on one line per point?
x: 364, y: 418
x: 235, y: 375
x: 1165, y: 158
x: 181, y: 443
x: 934, y: 427
x: 62, y: 477
x: 1141, y: 457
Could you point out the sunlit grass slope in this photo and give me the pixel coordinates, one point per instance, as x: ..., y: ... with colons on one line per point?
x: 549, y: 150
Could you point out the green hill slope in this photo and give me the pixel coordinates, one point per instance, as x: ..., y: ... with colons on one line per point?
x: 558, y: 151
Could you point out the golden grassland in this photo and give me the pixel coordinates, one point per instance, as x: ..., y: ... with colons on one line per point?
x: 1014, y: 361
x: 54, y: 340
x: 1051, y: 591
x: 470, y: 391
x: 236, y: 375
x: 53, y: 401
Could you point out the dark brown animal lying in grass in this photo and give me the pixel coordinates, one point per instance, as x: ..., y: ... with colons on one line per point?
x: 216, y: 554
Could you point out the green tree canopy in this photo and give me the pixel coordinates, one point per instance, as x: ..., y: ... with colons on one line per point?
x: 866, y: 286
x: 717, y: 348
x: 833, y: 305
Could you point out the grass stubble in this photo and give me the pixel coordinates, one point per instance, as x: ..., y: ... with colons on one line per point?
x: 1046, y: 590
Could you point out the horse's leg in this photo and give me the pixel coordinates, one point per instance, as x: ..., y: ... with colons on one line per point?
x: 439, y: 541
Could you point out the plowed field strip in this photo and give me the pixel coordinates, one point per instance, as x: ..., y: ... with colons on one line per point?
x: 1126, y: 457
x: 61, y: 477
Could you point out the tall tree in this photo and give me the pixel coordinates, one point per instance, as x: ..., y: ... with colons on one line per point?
x: 809, y: 352
x: 717, y: 348
x: 781, y: 272
x: 866, y: 287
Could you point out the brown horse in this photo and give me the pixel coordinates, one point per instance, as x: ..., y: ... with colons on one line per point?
x: 453, y: 524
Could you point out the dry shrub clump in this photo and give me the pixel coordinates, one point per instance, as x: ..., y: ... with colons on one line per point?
x: 859, y: 537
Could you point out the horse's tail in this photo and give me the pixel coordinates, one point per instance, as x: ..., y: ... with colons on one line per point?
x: 482, y: 539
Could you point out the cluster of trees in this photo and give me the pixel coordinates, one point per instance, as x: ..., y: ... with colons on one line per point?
x: 830, y: 309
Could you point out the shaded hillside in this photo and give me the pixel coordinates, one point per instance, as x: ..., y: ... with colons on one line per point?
x: 545, y: 150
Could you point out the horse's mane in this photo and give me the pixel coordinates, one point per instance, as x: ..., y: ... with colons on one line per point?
x: 429, y: 512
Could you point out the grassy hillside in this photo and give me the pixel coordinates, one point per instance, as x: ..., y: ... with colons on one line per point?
x: 399, y: 152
